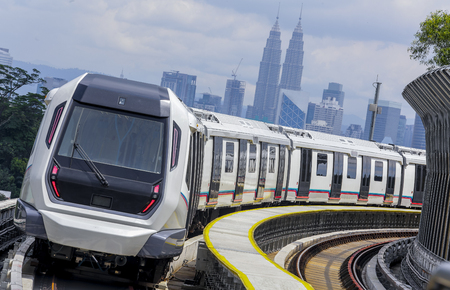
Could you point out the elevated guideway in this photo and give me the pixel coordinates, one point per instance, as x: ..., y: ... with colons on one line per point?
x: 239, y: 244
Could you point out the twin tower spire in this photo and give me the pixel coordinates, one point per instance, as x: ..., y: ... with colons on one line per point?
x: 268, y: 85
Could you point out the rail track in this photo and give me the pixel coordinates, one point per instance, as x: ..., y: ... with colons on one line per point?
x: 322, y: 264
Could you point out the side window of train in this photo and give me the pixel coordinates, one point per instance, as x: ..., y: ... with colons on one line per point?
x: 322, y: 164
x: 378, y: 171
x: 54, y: 123
x: 391, y: 174
x: 421, y: 172
x: 188, y: 171
x: 252, y: 159
x: 176, y: 137
x: 351, y: 168
x: 272, y: 157
x: 229, y: 158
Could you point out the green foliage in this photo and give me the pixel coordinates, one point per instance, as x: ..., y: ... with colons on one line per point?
x: 20, y: 117
x: 432, y: 42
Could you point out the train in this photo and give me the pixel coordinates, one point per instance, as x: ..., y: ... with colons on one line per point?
x: 122, y: 171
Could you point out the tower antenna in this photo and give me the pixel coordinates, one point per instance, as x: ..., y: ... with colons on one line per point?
x: 278, y: 14
x: 301, y: 10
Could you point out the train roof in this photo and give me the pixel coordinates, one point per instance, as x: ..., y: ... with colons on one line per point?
x: 218, y: 124
x: 235, y: 127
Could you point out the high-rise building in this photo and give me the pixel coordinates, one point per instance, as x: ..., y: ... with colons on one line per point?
x: 291, y: 76
x: 386, y: 124
x: 265, y: 101
x: 334, y: 91
x: 183, y: 85
x: 5, y: 57
x: 292, y: 108
x: 401, y: 130
x: 354, y: 131
x: 50, y: 83
x: 209, y: 102
x: 409, y: 129
x: 234, y: 97
x: 327, y: 117
x: 418, y: 137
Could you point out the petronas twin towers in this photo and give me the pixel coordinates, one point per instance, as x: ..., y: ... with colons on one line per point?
x: 268, y: 85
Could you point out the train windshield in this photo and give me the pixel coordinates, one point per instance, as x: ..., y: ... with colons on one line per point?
x: 115, y: 139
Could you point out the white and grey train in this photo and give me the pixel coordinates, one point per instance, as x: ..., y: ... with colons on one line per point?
x: 121, y: 170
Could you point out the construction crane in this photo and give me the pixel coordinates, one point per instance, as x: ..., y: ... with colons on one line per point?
x: 233, y: 72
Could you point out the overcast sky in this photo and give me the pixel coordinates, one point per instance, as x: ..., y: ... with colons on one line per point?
x: 346, y: 41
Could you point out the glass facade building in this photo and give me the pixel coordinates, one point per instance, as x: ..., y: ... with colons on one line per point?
x: 334, y: 91
x: 418, y: 137
x: 292, y: 108
x: 234, y: 98
x: 5, y: 57
x: 386, y: 124
x: 183, y: 85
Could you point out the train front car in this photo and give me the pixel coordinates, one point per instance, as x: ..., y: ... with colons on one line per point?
x: 105, y: 181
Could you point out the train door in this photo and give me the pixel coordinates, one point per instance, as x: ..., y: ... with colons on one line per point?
x: 365, y: 178
x: 419, y: 185
x: 272, y: 171
x: 262, y: 171
x: 252, y: 174
x: 229, y: 171
x: 305, y: 173
x: 390, y: 185
x: 281, y: 169
x: 338, y: 168
x: 294, y: 173
x: 321, y: 176
x: 216, y: 171
x: 194, y: 174
x: 242, y: 168
x: 351, y: 179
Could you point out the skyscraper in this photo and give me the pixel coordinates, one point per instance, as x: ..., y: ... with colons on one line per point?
x: 264, y: 104
x: 334, y: 91
x: 5, y: 58
x: 409, y: 129
x: 209, y: 102
x: 183, y: 85
x: 291, y: 76
x: 292, y: 108
x: 327, y: 117
x: 234, y: 97
x: 386, y: 124
x: 418, y: 137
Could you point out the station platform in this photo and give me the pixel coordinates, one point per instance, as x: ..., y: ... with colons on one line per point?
x: 240, y: 242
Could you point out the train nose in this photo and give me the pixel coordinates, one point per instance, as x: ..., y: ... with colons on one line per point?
x: 29, y: 220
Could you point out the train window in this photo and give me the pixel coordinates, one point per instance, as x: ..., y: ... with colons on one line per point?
x: 176, y: 138
x: 378, y: 171
x: 188, y: 171
x: 120, y: 140
x: 420, y: 177
x: 252, y: 159
x: 306, y: 165
x: 391, y: 174
x: 229, y: 158
x: 366, y: 171
x: 321, y: 164
x: 54, y: 123
x: 351, y: 167
x: 272, y: 157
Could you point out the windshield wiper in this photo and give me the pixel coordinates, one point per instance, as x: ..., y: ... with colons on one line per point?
x: 91, y: 164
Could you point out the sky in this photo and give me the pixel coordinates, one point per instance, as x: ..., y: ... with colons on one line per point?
x: 352, y: 42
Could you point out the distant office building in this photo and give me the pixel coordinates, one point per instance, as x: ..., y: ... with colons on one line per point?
x: 334, y: 91
x: 401, y: 130
x: 234, y: 98
x: 354, y: 131
x: 409, y: 129
x: 386, y: 124
x: 264, y: 104
x: 310, y: 112
x: 50, y: 83
x: 209, y: 102
x: 5, y: 57
x: 327, y: 117
x: 183, y: 85
x: 292, y: 108
x: 249, y: 113
x: 418, y: 138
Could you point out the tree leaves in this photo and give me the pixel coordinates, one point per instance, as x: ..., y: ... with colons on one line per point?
x: 431, y: 45
x: 20, y: 117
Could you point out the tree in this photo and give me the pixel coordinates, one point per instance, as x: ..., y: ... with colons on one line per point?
x: 20, y: 117
x: 431, y: 45
x: 12, y: 79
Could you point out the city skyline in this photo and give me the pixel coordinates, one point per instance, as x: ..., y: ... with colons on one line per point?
x: 350, y: 42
